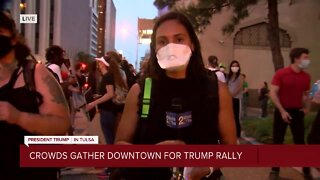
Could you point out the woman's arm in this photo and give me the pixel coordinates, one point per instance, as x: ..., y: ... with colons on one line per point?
x: 53, y: 117
x: 227, y: 125
x: 107, y: 96
x: 129, y: 120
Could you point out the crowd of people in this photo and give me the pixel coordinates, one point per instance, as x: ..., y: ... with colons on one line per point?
x: 143, y: 108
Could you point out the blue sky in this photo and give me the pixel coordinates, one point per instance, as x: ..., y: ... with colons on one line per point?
x: 127, y: 15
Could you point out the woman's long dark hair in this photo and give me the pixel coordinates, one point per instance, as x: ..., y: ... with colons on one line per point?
x: 21, y: 49
x: 195, y: 67
x: 114, y: 69
x: 231, y: 73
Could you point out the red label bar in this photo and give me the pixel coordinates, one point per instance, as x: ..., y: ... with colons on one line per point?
x: 169, y: 155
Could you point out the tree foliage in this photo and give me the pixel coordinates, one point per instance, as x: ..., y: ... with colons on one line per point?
x: 84, y: 58
x: 200, y: 13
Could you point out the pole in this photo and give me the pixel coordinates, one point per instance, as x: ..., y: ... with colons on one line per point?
x: 137, y: 49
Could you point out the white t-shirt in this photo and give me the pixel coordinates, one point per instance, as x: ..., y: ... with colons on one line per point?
x: 219, y: 74
x: 56, y: 69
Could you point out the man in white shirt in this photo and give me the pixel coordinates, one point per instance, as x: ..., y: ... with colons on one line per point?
x: 213, y: 66
x: 54, y: 56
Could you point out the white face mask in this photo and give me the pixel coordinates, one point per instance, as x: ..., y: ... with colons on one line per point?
x: 304, y: 63
x: 235, y: 69
x: 174, y: 57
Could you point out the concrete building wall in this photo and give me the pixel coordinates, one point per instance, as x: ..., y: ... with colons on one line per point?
x: 75, y: 26
x: 110, y: 26
x: 301, y: 20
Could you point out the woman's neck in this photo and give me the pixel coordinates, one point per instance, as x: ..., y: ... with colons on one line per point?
x: 176, y: 74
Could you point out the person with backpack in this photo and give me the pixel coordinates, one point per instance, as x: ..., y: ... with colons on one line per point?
x: 176, y: 86
x: 106, y: 91
x: 107, y: 99
x: 31, y: 103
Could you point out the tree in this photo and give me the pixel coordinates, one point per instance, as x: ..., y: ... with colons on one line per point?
x: 84, y: 58
x: 200, y: 15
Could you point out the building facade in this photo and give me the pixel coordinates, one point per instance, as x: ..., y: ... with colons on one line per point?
x: 72, y: 24
x: 299, y: 23
x: 110, y: 26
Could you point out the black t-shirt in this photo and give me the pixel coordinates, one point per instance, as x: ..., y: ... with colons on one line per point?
x: 107, y: 79
x: 184, y: 109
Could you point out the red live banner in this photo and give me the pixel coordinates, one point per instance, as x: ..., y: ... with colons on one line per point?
x: 169, y: 155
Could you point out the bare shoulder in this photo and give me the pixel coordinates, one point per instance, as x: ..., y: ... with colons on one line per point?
x: 41, y: 70
x: 44, y: 77
x: 135, y: 89
x: 48, y: 86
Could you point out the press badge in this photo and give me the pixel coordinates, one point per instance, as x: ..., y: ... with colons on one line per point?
x: 178, y: 120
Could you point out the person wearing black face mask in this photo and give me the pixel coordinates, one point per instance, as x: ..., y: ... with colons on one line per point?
x: 25, y: 111
x: 5, y: 45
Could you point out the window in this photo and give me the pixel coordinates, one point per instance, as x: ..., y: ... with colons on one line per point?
x: 257, y: 35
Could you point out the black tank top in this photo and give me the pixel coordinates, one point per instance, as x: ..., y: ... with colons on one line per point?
x: 11, y: 136
x: 180, y: 109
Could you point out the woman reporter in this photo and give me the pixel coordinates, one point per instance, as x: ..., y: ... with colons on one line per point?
x: 181, y: 88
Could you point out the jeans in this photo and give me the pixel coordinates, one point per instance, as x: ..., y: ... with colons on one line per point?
x: 296, y: 126
x: 107, y: 122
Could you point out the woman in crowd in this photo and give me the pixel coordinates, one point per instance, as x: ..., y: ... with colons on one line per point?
x: 35, y: 107
x: 180, y: 89
x: 235, y: 84
x: 111, y: 77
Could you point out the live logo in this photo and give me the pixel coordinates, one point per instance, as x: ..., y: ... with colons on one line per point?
x: 28, y: 18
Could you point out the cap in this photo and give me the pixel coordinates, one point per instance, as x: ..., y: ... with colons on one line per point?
x: 103, y: 61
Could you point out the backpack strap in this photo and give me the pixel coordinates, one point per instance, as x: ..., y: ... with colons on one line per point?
x: 146, y: 98
x: 28, y: 69
x: 28, y: 75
